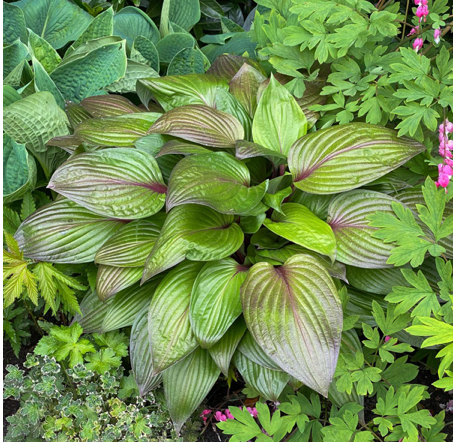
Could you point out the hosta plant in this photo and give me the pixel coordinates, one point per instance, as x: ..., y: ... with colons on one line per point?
x: 225, y: 228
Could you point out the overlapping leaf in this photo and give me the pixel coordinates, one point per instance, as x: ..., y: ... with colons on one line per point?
x: 111, y: 280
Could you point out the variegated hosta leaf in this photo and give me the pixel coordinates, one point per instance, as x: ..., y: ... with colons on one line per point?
x: 269, y: 383
x: 111, y: 280
x: 93, y: 311
x: 121, y: 183
x: 216, y: 180
x: 187, y: 383
x: 64, y: 232
x: 200, y: 124
x: 223, y: 351
x: 348, y: 217
x: 181, y: 90
x: 169, y: 328
x: 175, y: 147
x: 102, y: 106
x: 140, y: 354
x: 348, y: 156
x: 295, y: 315
x: 299, y: 225
x: 130, y: 246
x: 379, y: 281
x: 197, y: 233
x: 215, y: 300
x: 121, y: 131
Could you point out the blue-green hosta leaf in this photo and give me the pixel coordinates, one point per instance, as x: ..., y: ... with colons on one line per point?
x: 43, y: 82
x: 102, y: 106
x: 171, y: 44
x: 345, y: 157
x: 216, y: 180
x: 197, y: 233
x: 295, y: 315
x: 19, y: 170
x: 215, y: 300
x: 169, y: 328
x: 249, y: 348
x: 348, y: 217
x: 187, y: 383
x: 131, y: 22
x: 239, y: 44
x: 181, y: 90
x: 278, y: 120
x: 187, y: 61
x: 140, y: 354
x: 130, y: 246
x: 269, y: 383
x: 14, y: 56
x: 64, y: 232
x: 111, y: 280
x: 200, y: 124
x: 379, y: 281
x: 299, y: 225
x: 121, y: 183
x: 91, y: 67
x: 43, y: 52
x: 57, y: 21
x: 145, y: 52
x: 13, y: 24
x: 184, y: 13
x: 223, y: 351
x: 175, y: 147
x: 134, y: 71
x: 10, y: 95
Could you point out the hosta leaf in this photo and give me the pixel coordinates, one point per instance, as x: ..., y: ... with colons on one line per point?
x: 317, y: 204
x: 91, y: 67
x: 310, y: 98
x: 295, y: 315
x: 223, y: 351
x: 140, y: 354
x: 344, y: 157
x: 64, y: 232
x: 348, y: 217
x: 194, y: 232
x: 10, y: 95
x: 145, y: 52
x: 76, y: 114
x: 246, y: 149
x: 269, y: 383
x: 121, y: 183
x: 187, y: 61
x: 239, y: 44
x: 184, y: 13
x: 187, y: 383
x: 102, y: 106
x: 130, y: 246
x: 227, y: 65
x: 215, y: 300
x: 57, y: 21
x: 121, y: 131
x: 171, y: 44
x: 93, y: 311
x: 181, y: 90
x: 169, y: 328
x: 19, y: 170
x: 200, y: 124
x: 14, y: 56
x: 44, y: 83
x: 134, y: 72
x: 175, y: 147
x: 249, y: 348
x: 216, y: 180
x: 278, y: 120
x: 127, y: 304
x: 13, y: 24
x: 111, y: 280
x: 379, y: 281
x: 299, y: 225
x: 131, y: 22
x: 43, y: 52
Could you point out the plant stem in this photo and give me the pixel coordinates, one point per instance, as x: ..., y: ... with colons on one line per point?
x: 371, y: 431
x: 405, y: 22
x: 40, y: 330
x: 64, y: 367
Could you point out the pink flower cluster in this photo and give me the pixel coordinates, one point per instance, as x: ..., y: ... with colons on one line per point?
x: 222, y: 416
x: 445, y: 150
x: 422, y: 11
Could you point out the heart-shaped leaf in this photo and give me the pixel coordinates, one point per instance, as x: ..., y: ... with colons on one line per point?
x: 216, y: 180
x: 121, y: 183
x: 295, y: 315
x: 299, y: 225
x: 184, y: 13
x: 215, y: 300
x: 194, y: 232
x: 348, y: 156
x: 111, y: 280
x: 169, y: 328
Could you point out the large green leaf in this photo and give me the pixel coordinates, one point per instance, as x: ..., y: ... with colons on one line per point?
x: 269, y: 383
x: 145, y: 52
x: 93, y: 311
x: 348, y: 217
x: 169, y: 327
x: 102, y: 106
x: 348, y: 156
x: 187, y: 383
x: 197, y: 233
x: 43, y: 52
x: 130, y: 246
x: 216, y: 180
x: 43, y: 82
x: 299, y: 225
x: 187, y: 61
x: 110, y: 280
x: 19, y: 170
x: 249, y: 347
x: 200, y: 124
x: 134, y: 71
x: 181, y: 90
x: 57, y: 21
x: 132, y: 22
x: 184, y: 13
x: 13, y: 24
x: 64, y: 232
x: 175, y: 147
x: 121, y: 183
x: 140, y: 354
x: 171, y: 44
x: 10, y: 95
x: 215, y: 300
x: 295, y: 315
x: 14, y: 56
x: 378, y: 281
x: 278, y: 120
x: 91, y: 67
x: 228, y: 65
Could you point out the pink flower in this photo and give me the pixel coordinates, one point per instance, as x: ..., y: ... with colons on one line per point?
x: 448, y: 162
x: 413, y: 31
x: 205, y: 412
x: 437, y: 34
x: 449, y: 127
x: 228, y: 414
x: 252, y: 411
x: 387, y: 338
x: 417, y: 44
x: 422, y: 12
x: 219, y: 416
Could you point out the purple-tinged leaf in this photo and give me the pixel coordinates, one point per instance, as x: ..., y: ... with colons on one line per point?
x: 175, y: 147
x: 111, y: 280
x: 101, y: 106
x: 229, y: 64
